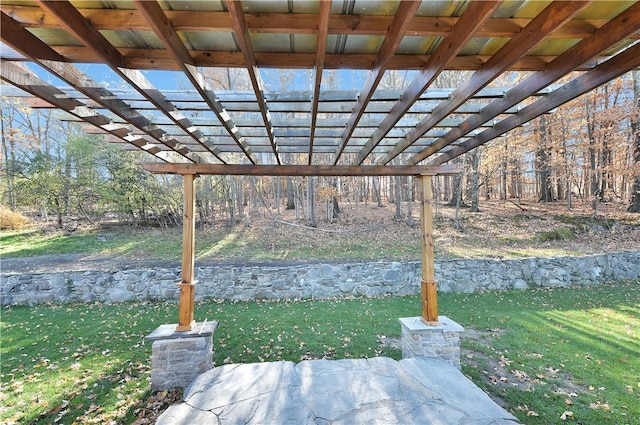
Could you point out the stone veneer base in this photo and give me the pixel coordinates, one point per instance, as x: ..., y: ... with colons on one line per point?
x: 435, y: 341
x: 177, y: 358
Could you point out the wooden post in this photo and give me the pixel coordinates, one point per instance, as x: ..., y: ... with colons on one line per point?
x: 187, y: 285
x: 428, y: 289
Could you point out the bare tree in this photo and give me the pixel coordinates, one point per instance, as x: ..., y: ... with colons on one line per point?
x: 634, y: 205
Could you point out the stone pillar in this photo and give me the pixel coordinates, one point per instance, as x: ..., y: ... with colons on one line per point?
x: 177, y: 358
x: 435, y: 341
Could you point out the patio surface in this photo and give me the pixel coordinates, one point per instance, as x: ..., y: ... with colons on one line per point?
x: 362, y: 391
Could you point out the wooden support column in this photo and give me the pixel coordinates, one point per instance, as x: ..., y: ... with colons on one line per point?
x: 428, y: 289
x: 187, y: 285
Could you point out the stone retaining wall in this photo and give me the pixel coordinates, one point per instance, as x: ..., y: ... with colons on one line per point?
x: 306, y: 280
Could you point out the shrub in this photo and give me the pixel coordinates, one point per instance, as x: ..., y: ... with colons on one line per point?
x: 10, y: 220
x: 559, y: 234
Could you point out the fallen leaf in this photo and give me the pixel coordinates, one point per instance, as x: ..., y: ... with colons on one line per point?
x: 599, y: 405
x: 567, y: 414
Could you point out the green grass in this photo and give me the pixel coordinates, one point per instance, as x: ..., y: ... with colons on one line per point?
x: 557, y: 234
x: 31, y: 242
x: 559, y: 350
x: 538, y: 350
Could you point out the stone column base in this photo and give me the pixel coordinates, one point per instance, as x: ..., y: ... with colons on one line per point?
x: 440, y: 341
x: 177, y: 358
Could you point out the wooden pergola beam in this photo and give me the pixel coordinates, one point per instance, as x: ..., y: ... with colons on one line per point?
x: 289, y: 23
x: 163, y: 29
x: 462, y: 32
x: 20, y: 39
x: 149, y: 59
x: 321, y: 48
x: 241, y: 32
x: 401, y: 20
x: 76, y: 24
x: 551, y: 18
x: 299, y: 170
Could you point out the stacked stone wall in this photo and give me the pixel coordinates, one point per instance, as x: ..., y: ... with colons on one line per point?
x: 311, y: 280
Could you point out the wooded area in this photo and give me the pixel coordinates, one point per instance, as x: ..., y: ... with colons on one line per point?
x: 586, y: 151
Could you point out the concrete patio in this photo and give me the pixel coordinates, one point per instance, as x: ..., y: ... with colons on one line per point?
x: 362, y: 391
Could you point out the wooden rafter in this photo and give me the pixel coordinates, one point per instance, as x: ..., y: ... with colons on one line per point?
x: 321, y: 47
x: 241, y: 31
x: 163, y: 29
x: 20, y: 39
x: 551, y: 18
x: 330, y: 101
x: 28, y: 81
x: 32, y: 47
x: 300, y: 170
x: 467, y: 25
x: 82, y: 29
x: 621, y: 63
x: 149, y: 59
x: 625, y: 24
x: 401, y: 20
x: 289, y: 23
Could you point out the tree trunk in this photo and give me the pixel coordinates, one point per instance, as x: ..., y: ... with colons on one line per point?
x: 504, y: 171
x: 335, y: 206
x: 291, y: 203
x: 458, y: 200
x: 409, y: 200
x: 276, y: 198
x: 593, y: 176
x: 231, y: 201
x: 446, y: 192
x: 456, y: 186
x: 474, y: 180
x: 9, y: 162
x: 543, y: 168
x: 567, y: 171
x: 310, y: 203
x: 398, y: 214
x: 634, y: 205
x: 238, y: 180
x: 377, y: 190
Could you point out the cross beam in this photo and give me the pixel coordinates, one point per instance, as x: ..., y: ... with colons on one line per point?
x: 300, y: 170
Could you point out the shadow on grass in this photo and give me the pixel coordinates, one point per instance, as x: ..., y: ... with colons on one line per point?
x: 91, y: 361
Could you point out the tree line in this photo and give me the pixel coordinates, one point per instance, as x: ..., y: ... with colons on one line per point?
x: 587, y: 151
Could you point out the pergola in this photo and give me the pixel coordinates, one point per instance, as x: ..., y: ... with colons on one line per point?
x: 564, y: 48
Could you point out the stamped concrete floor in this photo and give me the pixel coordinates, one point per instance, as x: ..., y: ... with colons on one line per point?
x: 350, y: 392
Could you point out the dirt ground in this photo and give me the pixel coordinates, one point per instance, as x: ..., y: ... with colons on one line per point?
x: 502, y: 229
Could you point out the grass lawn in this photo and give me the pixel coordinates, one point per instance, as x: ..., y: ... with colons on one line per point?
x: 569, y: 353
